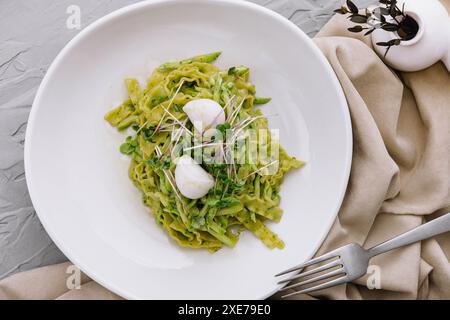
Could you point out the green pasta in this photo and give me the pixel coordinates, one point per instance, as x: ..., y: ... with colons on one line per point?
x: 244, y: 196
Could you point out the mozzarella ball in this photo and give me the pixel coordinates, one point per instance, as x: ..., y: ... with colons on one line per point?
x: 191, y: 179
x: 204, y: 113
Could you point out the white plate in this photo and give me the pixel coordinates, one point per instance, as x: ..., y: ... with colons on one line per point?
x: 78, y: 180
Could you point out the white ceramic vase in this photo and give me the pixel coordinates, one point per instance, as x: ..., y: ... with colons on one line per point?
x: 431, y: 43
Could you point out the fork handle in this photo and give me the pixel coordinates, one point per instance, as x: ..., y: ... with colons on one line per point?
x: 422, y: 232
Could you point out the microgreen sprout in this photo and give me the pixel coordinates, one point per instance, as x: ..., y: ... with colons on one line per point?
x: 129, y: 147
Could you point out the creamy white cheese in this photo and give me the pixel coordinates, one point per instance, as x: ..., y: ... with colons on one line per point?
x: 204, y: 113
x: 191, y: 179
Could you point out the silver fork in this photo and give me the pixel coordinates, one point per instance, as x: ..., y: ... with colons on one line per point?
x: 350, y: 262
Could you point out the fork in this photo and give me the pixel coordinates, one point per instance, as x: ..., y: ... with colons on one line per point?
x: 350, y: 262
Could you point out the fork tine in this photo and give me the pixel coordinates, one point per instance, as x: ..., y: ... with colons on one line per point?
x: 321, y: 277
x: 331, y: 283
x: 329, y: 265
x: 323, y: 257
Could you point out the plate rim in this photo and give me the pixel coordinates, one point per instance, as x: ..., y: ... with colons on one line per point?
x: 149, y: 3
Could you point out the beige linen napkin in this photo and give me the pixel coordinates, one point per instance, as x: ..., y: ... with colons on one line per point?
x: 400, y: 178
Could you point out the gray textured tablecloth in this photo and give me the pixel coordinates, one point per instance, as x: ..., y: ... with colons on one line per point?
x: 32, y: 32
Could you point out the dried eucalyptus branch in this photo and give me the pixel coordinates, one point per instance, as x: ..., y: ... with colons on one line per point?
x: 387, y: 16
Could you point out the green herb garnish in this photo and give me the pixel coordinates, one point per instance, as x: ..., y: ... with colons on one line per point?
x: 157, y: 163
x: 129, y: 147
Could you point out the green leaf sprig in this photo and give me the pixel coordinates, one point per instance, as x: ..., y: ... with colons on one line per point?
x: 130, y: 147
x: 157, y: 163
